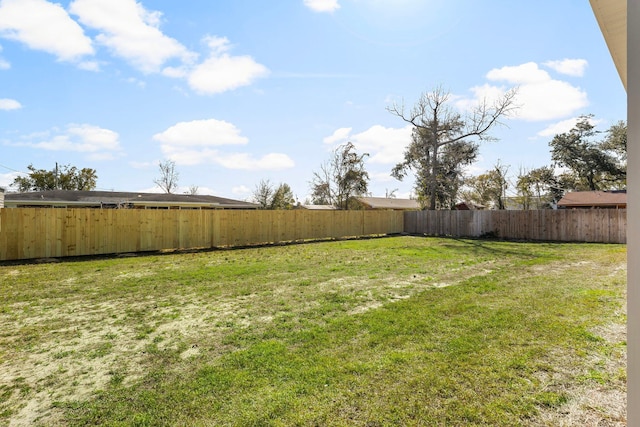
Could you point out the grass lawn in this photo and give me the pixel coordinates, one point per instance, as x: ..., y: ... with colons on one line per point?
x: 393, y: 331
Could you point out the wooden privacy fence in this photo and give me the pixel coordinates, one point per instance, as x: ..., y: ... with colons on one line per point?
x: 566, y: 225
x: 27, y: 233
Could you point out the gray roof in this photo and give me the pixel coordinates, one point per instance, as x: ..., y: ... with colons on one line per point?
x: 389, y: 203
x: 98, y: 198
x: 319, y: 207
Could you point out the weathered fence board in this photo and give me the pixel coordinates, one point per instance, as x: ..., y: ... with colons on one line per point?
x: 27, y: 233
x: 568, y: 225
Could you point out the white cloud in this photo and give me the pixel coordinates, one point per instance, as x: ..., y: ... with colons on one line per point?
x: 9, y: 104
x: 570, y: 67
x: 339, y: 136
x: 540, y: 97
x: 381, y: 176
x: 98, y: 143
x: 245, y: 161
x: 142, y: 165
x: 195, y: 142
x: 241, y: 190
x: 210, y: 132
x: 384, y: 145
x: 6, y: 179
x: 131, y: 32
x: 221, y: 72
x: 44, y: 26
x: 322, y: 5
x: 236, y: 161
x: 563, y: 127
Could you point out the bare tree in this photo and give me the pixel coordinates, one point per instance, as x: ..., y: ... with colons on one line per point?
x: 168, y: 179
x: 436, y: 126
x: 263, y: 194
x: 193, y: 190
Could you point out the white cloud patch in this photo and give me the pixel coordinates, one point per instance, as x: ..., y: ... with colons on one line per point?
x: 6, y: 179
x: 98, y: 143
x: 221, y: 72
x: 9, y: 104
x: 384, y: 145
x: 570, y: 67
x: 245, y: 161
x: 202, y: 133
x: 44, y: 26
x: 540, y: 97
x: 241, y: 190
x: 196, y: 142
x: 339, y: 136
x: 322, y: 5
x: 130, y: 32
x: 563, y: 127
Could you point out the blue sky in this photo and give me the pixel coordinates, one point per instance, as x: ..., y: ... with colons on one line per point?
x: 237, y: 91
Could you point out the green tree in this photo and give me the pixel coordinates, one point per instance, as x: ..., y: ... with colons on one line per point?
x: 342, y: 177
x: 593, y: 164
x: 64, y: 177
x: 270, y: 197
x: 283, y: 197
x: 489, y: 188
x: 536, y: 188
x: 436, y: 126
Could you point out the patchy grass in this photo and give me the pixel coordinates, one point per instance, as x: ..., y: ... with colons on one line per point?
x: 395, y: 331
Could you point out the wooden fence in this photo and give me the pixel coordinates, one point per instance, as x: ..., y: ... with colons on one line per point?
x: 27, y: 233
x: 567, y: 225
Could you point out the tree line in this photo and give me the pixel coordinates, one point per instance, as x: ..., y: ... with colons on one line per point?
x: 443, y: 142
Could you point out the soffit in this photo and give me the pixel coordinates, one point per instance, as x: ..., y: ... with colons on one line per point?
x: 612, y: 18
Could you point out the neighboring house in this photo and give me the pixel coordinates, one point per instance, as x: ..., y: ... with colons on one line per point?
x: 120, y: 200
x: 1, y: 197
x: 318, y: 207
x: 594, y: 200
x: 385, y: 203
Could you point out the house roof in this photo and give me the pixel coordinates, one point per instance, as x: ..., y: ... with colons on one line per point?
x: 99, y: 198
x: 593, y: 199
x: 388, y: 203
x: 319, y: 207
x: 612, y: 19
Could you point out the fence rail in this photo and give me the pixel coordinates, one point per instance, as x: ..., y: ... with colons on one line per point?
x: 27, y: 233
x: 567, y: 225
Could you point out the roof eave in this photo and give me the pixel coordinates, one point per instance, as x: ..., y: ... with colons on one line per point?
x: 612, y: 19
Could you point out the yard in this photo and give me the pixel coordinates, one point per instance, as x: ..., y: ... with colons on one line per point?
x: 375, y: 332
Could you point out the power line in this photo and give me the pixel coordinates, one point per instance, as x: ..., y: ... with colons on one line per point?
x: 12, y: 170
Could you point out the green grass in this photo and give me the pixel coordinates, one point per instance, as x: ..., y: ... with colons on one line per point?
x: 394, y: 331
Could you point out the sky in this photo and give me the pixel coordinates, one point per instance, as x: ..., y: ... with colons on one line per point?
x: 239, y: 91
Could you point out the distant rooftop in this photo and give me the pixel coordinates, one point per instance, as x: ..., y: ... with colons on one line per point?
x: 389, y: 203
x: 121, y: 199
x: 593, y: 199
